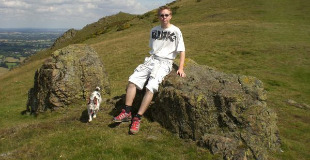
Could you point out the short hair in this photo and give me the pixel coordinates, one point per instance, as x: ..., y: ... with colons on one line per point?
x: 163, y: 8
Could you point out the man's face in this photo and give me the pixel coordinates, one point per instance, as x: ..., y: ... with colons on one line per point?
x: 164, y: 16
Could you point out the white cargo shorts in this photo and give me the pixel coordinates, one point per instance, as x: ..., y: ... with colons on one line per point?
x: 153, y: 71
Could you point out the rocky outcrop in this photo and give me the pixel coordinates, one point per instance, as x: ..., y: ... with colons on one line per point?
x: 67, y: 36
x: 70, y: 74
x: 225, y: 113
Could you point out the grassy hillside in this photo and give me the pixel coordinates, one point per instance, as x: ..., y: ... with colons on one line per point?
x: 268, y: 39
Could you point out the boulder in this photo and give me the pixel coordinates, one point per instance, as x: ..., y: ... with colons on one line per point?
x: 226, y: 113
x: 70, y: 74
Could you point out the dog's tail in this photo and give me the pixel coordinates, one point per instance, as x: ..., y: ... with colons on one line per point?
x: 98, y: 89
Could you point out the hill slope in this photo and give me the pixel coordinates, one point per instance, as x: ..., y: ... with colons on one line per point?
x: 267, y: 39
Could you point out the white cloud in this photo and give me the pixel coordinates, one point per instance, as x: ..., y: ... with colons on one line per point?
x: 91, y: 6
x: 14, y: 4
x: 66, y: 13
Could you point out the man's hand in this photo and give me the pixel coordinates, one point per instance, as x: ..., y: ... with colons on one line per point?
x: 181, y: 73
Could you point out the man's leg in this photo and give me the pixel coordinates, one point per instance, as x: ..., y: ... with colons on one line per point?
x: 151, y: 87
x: 130, y: 94
x: 135, y: 124
x: 148, y: 96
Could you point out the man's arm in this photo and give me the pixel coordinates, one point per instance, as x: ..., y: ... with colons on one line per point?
x: 180, y: 71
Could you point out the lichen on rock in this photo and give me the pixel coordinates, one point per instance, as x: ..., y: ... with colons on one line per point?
x: 225, y: 113
x: 70, y: 74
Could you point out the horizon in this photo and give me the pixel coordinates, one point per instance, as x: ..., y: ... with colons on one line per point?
x: 68, y: 14
x: 31, y: 27
x: 32, y: 30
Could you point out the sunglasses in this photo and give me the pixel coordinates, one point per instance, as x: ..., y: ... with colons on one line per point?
x: 164, y: 15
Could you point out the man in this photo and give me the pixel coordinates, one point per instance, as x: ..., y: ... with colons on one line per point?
x: 166, y: 41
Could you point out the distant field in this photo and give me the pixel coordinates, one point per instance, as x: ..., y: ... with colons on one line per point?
x: 11, y: 59
x: 17, y: 44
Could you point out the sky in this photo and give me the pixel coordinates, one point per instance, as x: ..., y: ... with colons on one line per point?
x: 67, y: 13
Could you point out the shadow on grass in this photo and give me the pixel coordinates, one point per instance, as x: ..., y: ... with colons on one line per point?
x: 84, y: 116
x: 28, y: 113
x: 117, y: 103
x: 114, y: 124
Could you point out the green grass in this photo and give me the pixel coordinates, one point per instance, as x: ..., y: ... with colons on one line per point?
x: 268, y: 39
x: 64, y: 136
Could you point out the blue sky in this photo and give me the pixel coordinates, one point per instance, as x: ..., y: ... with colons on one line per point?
x: 67, y: 13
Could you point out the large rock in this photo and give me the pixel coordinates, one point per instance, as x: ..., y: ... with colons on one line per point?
x: 225, y: 113
x: 69, y: 75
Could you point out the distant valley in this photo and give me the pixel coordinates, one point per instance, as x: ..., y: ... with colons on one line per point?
x: 18, y: 44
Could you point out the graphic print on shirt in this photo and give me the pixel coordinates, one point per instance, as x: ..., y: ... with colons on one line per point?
x: 163, y: 35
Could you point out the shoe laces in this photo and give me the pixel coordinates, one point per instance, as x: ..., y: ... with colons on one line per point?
x: 135, y: 123
x: 122, y: 114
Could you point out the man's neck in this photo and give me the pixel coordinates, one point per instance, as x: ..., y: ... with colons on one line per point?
x: 164, y: 26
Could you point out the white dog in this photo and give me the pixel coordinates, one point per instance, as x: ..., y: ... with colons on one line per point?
x: 94, y: 104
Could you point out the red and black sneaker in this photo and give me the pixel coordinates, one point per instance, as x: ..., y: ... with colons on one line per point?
x: 123, y: 117
x: 135, y: 125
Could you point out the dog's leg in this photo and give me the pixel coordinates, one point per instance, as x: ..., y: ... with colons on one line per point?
x: 96, y: 109
x: 90, y: 116
x: 95, y: 113
x: 94, y: 116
